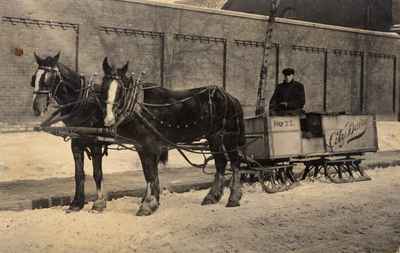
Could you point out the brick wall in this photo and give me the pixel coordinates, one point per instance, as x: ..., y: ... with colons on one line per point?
x: 18, y: 67
x: 342, y: 69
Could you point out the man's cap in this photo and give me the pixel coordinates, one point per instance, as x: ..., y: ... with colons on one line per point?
x: 288, y: 71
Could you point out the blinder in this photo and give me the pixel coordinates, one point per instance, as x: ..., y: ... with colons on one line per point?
x: 47, y: 89
x: 33, y: 80
x: 113, y: 77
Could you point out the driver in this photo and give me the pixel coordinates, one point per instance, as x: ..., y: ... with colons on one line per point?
x: 288, y: 97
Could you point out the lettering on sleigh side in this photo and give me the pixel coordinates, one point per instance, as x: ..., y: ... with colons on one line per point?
x: 285, y: 123
x: 351, y: 131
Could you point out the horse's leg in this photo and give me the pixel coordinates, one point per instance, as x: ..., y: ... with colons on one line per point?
x: 217, y: 189
x: 79, y: 199
x: 236, y: 191
x: 97, y: 158
x: 150, y: 201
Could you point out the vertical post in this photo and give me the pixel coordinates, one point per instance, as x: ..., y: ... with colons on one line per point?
x: 77, y: 49
x: 362, y: 82
x: 277, y: 47
x: 162, y: 59
x: 224, y: 65
x: 325, y: 80
x: 394, y: 82
x: 260, y: 106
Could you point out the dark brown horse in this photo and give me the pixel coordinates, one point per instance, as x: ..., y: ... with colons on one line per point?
x: 53, y: 80
x: 165, y: 117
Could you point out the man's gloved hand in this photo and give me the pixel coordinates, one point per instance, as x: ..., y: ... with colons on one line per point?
x: 282, y: 106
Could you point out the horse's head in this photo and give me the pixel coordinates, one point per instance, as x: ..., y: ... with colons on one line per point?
x: 45, y: 81
x: 113, y: 81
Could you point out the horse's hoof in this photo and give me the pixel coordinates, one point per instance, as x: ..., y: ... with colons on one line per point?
x: 75, y: 206
x: 213, y: 197
x: 209, y: 201
x: 99, y: 205
x: 232, y: 203
x: 145, y: 210
x: 73, y: 209
x: 148, y: 207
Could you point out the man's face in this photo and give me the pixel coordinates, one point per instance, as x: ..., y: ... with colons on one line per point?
x: 289, y: 78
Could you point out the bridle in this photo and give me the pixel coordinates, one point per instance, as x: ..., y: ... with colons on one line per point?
x: 127, y: 104
x: 50, y: 92
x: 121, y: 86
x: 83, y: 94
x: 83, y: 91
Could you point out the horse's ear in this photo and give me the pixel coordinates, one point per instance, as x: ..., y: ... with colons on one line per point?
x: 55, y: 58
x: 124, y: 69
x: 39, y: 60
x: 106, y: 67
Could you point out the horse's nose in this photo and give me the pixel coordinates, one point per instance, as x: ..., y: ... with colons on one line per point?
x: 109, y: 121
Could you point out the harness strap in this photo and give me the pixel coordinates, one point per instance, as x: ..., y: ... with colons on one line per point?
x: 177, y: 102
x: 210, y: 132
x: 130, y: 101
x: 167, y: 141
x: 201, y: 166
x: 41, y: 92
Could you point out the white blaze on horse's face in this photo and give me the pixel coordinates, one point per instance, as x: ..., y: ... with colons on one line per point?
x: 109, y: 120
x: 38, y: 75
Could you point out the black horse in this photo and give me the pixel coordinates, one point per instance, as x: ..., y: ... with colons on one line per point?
x: 165, y: 117
x: 55, y: 81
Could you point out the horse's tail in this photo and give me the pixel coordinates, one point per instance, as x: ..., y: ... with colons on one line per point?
x: 242, y: 138
x: 164, y: 155
x: 239, y: 121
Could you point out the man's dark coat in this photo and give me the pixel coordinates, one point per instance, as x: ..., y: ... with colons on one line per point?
x: 292, y: 93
